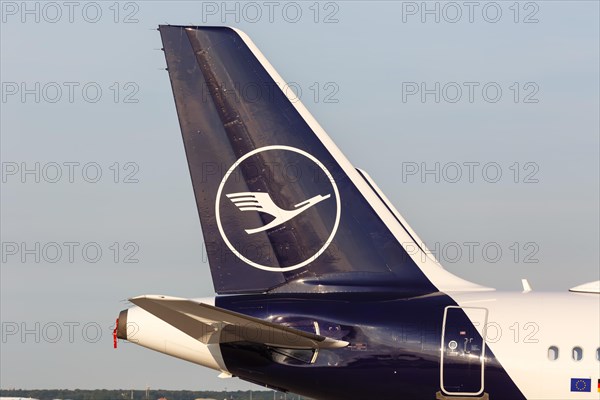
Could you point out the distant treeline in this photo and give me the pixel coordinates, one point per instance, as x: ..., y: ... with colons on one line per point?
x: 103, y: 394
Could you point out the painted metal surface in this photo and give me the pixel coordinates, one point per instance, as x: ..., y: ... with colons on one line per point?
x: 394, y: 347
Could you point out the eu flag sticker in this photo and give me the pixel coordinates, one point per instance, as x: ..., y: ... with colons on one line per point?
x: 581, y: 385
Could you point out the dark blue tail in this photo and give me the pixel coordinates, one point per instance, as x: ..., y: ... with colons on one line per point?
x: 281, y: 208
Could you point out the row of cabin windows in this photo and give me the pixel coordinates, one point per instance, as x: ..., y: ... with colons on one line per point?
x: 576, y: 353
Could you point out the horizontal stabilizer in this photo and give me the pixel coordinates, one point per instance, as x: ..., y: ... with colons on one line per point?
x: 213, y: 325
x: 590, y: 287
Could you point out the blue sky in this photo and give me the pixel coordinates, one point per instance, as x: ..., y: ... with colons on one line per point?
x: 86, y: 93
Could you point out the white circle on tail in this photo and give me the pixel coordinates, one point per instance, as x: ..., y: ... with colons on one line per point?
x: 333, y: 230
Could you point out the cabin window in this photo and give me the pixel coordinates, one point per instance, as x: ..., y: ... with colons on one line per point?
x: 577, y: 353
x: 598, y: 354
x: 552, y: 353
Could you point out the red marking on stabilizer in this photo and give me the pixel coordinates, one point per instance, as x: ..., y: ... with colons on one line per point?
x: 115, y: 334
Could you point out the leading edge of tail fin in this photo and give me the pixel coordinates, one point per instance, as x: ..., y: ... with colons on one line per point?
x: 281, y: 208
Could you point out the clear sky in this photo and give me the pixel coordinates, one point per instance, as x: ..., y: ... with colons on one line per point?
x: 479, y: 122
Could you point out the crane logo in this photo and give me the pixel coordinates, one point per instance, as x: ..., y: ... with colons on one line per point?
x: 264, y: 205
x: 262, y: 202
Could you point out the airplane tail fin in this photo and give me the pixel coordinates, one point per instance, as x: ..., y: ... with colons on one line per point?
x: 280, y: 206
